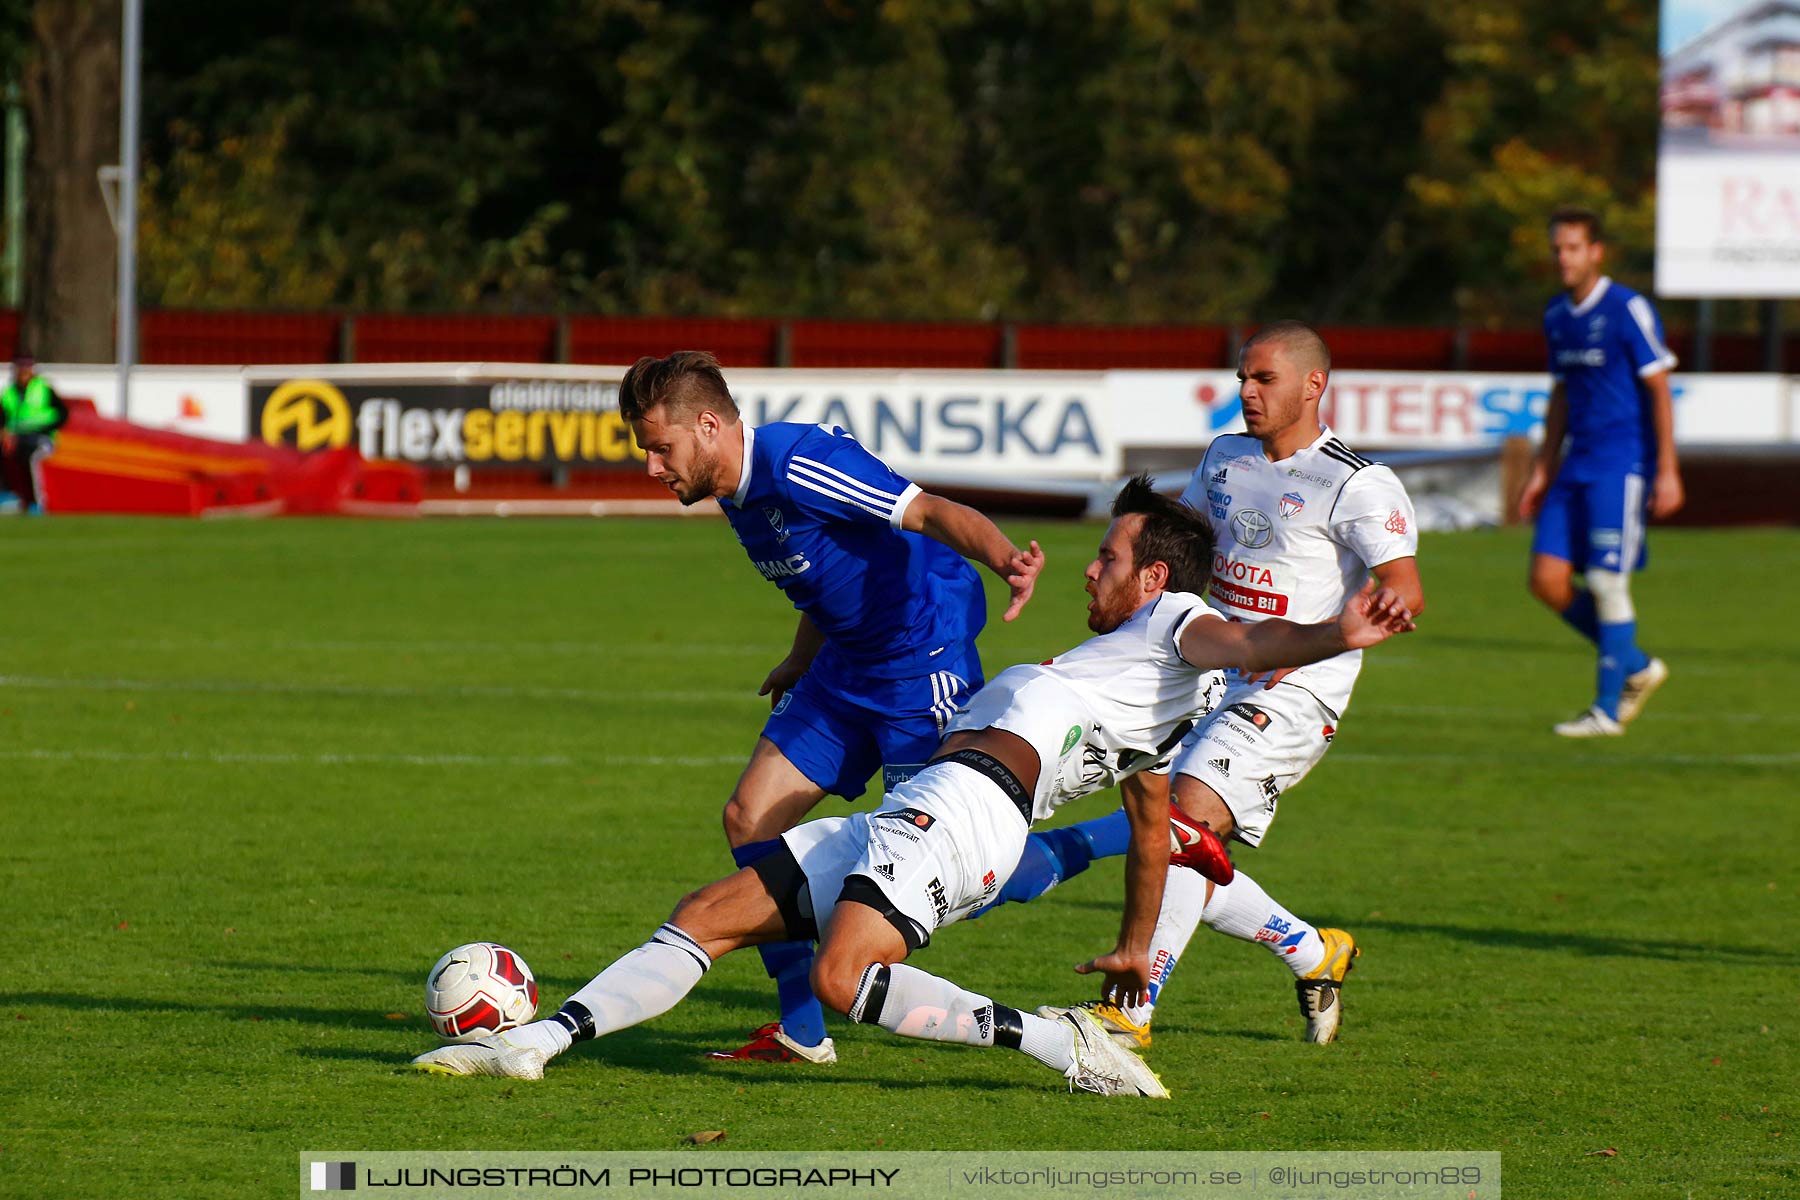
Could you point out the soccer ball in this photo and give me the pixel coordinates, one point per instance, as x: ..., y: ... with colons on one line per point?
x: 478, y: 989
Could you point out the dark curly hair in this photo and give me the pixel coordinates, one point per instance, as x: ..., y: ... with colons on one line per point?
x: 1172, y: 533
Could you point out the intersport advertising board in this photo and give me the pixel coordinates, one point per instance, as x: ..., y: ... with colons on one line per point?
x: 1422, y: 410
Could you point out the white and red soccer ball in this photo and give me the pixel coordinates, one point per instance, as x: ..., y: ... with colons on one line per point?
x: 478, y: 989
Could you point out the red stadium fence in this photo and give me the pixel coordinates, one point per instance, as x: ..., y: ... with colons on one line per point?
x: 190, y: 337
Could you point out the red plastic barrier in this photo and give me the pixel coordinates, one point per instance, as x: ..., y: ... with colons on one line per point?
x: 1100, y: 347
x: 890, y: 344
x: 105, y: 465
x: 171, y: 336
x: 456, y: 338
x: 621, y: 341
x: 233, y: 338
x: 1730, y: 351
x: 1506, y: 350
x: 1390, y: 349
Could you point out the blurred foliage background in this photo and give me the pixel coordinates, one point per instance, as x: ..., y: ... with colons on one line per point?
x: 1144, y: 161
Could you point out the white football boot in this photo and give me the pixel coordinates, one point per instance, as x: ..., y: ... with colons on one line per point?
x: 1639, y: 688
x: 1104, y: 1067
x: 1591, y: 724
x: 492, y: 1055
x: 1115, y: 1020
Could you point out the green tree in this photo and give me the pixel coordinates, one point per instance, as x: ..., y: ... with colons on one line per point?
x: 222, y: 226
x: 1113, y: 160
x: 419, y: 153
x: 1548, y: 104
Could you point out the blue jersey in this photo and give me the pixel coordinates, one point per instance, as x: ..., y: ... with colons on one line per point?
x: 820, y: 518
x: 1600, y: 350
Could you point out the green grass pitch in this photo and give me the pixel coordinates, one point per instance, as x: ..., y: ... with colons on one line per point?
x: 258, y: 776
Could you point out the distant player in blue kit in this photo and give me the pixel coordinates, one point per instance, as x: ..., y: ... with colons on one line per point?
x: 889, y: 610
x: 1610, y: 399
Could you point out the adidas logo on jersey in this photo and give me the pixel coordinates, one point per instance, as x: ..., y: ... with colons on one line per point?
x: 1221, y: 765
x: 885, y: 870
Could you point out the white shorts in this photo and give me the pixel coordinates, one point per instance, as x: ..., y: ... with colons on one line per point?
x: 1255, y: 746
x: 940, y: 847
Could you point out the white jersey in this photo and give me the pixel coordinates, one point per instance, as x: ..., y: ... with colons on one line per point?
x: 1296, y: 538
x: 1117, y: 704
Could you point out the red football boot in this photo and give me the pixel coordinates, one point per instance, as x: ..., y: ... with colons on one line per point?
x: 770, y: 1044
x: 1193, y: 845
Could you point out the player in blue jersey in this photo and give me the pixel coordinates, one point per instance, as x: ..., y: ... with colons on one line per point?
x: 1610, y: 400
x: 889, y: 610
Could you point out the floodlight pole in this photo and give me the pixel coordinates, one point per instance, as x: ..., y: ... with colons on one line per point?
x: 13, y: 272
x: 131, y: 55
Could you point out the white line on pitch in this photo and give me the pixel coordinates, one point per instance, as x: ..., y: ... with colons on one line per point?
x: 227, y: 757
x: 1450, y: 710
x: 682, y: 649
x: 270, y: 687
x: 1625, y: 759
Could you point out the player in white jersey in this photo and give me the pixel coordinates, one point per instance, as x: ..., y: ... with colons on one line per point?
x: 1300, y: 522
x: 876, y: 886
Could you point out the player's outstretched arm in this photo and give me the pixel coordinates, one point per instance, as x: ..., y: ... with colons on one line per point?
x: 1127, y: 968
x: 979, y: 540
x: 1400, y: 575
x: 1369, y: 618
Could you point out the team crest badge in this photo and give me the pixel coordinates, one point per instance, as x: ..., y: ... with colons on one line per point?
x: 1291, y: 504
x: 776, y: 522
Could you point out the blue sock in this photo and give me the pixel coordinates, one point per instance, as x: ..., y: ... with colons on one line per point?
x: 1618, y: 651
x: 789, y: 964
x: 1106, y: 837
x: 1581, y: 616
x: 1054, y: 855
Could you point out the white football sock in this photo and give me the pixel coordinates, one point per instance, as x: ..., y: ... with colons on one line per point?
x: 646, y: 983
x: 1050, y: 1042
x: 549, y: 1035
x: 1184, y: 899
x: 1243, y: 910
x: 913, y: 1003
x: 920, y: 1005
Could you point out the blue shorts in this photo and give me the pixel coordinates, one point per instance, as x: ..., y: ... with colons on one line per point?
x: 840, y: 729
x: 1595, y: 523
